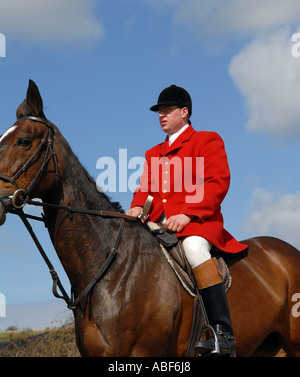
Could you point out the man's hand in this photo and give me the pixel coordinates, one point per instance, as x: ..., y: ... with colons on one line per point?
x: 177, y: 222
x: 135, y: 211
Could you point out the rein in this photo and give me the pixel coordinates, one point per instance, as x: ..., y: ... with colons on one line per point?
x: 73, y: 302
x: 21, y: 197
x: 83, y: 211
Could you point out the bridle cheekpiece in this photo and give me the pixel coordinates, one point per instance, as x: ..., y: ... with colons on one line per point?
x: 21, y: 195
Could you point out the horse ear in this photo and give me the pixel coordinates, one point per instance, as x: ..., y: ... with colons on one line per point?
x: 34, y: 99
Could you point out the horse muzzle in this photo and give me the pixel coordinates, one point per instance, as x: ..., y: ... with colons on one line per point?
x: 5, y: 206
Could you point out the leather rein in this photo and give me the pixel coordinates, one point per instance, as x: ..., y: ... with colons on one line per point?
x: 21, y: 197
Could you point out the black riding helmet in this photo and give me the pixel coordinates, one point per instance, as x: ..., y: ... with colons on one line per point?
x: 174, y: 95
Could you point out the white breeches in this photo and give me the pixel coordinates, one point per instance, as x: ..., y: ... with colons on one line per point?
x: 197, y: 250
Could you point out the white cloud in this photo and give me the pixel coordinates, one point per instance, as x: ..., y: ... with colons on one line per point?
x: 225, y: 18
x: 276, y: 215
x: 56, y: 21
x: 265, y: 72
x: 268, y: 76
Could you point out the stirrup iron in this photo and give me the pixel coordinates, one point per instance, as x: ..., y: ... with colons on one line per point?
x: 216, y: 350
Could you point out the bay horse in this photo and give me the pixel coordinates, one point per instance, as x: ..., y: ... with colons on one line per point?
x: 139, y: 307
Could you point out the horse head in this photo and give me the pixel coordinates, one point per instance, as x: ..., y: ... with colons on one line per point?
x: 27, y: 160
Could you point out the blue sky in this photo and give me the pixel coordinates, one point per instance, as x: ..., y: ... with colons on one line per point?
x: 101, y: 64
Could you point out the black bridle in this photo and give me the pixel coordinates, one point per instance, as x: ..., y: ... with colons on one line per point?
x: 21, y: 197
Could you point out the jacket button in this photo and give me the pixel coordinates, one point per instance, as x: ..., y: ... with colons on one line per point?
x: 164, y: 200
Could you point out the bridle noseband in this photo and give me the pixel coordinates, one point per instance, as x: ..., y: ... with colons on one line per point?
x: 20, y: 197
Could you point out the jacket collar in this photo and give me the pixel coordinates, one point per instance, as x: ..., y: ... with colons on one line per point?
x: 165, y: 148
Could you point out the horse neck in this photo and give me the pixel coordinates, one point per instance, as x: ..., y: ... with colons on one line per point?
x: 80, y: 240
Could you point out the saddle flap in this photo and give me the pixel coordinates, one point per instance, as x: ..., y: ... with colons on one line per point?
x: 166, y: 238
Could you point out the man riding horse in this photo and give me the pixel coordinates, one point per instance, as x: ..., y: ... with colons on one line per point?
x: 195, y: 216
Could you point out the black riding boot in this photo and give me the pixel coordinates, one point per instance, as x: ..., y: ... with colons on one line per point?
x: 214, y: 298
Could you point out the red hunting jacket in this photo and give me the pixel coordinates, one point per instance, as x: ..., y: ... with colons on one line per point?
x: 192, y: 177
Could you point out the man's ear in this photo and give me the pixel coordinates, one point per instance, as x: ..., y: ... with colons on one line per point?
x: 185, y: 113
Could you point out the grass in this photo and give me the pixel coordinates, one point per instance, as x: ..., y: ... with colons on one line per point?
x: 9, y: 335
x: 59, y: 342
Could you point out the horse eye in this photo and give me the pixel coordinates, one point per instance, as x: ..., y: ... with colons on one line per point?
x: 21, y: 116
x: 23, y: 142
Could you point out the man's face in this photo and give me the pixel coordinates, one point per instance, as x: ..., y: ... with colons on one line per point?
x: 172, y: 118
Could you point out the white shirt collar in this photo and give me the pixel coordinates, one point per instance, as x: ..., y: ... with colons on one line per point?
x: 174, y: 136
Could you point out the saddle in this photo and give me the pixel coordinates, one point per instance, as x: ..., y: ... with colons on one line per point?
x: 174, y: 253
x: 172, y: 249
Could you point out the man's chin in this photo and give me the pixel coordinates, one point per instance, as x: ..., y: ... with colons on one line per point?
x: 164, y: 127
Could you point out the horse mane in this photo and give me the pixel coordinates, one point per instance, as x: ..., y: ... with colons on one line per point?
x: 114, y: 204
